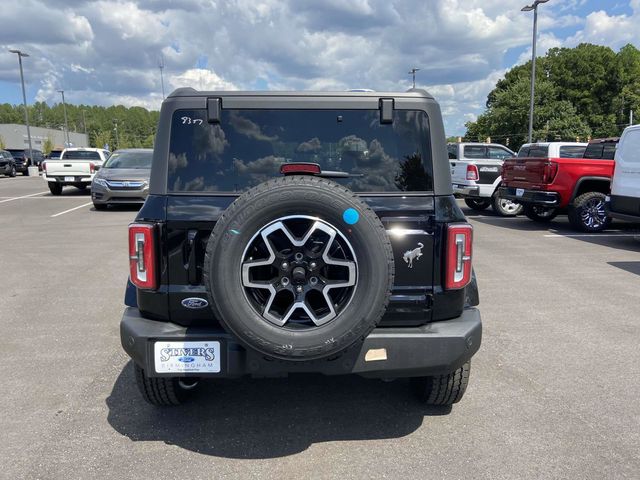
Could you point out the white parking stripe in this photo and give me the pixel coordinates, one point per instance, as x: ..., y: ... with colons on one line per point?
x: 554, y: 235
x: 11, y: 199
x: 71, y: 209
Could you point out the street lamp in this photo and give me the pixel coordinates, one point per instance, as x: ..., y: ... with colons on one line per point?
x: 528, y: 8
x: 66, y: 124
x: 24, y: 98
x: 413, y: 73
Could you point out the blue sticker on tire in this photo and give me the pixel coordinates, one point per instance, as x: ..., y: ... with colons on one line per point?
x: 351, y: 216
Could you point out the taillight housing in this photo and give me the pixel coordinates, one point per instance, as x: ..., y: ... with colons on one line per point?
x: 458, y: 258
x: 472, y: 173
x: 549, y: 172
x: 142, y: 256
x: 92, y: 167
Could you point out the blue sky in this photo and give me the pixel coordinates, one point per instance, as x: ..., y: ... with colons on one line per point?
x: 107, y: 52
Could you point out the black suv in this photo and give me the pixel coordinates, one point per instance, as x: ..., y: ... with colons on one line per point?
x: 23, y: 160
x: 300, y: 232
x: 7, y: 164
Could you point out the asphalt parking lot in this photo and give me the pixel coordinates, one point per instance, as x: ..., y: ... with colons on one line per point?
x: 554, y: 389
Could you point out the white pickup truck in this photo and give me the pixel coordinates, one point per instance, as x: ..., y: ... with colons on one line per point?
x: 75, y: 167
x: 475, y: 174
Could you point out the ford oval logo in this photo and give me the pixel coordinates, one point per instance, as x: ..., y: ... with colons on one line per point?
x: 194, y: 303
x: 186, y: 359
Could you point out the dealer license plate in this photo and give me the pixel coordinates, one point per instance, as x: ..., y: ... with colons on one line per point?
x: 181, y: 357
x: 69, y: 179
x: 519, y: 192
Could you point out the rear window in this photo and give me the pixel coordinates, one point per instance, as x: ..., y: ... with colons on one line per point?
x: 475, y: 151
x: 129, y: 160
x: 249, y: 146
x: 452, y: 151
x: 534, y: 151
x: 17, y: 153
x: 572, y: 151
x: 80, y: 155
x: 600, y: 151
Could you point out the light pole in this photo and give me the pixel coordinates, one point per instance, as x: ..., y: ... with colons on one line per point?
x: 66, y: 124
x: 115, y: 127
x: 24, y: 98
x: 161, y: 67
x: 412, y: 72
x: 528, y: 8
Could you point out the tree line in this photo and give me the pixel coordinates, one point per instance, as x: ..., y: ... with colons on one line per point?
x: 117, y: 126
x: 582, y: 92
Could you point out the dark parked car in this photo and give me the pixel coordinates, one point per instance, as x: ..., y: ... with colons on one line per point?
x: 300, y: 232
x: 123, y: 178
x: 24, y: 160
x: 7, y: 164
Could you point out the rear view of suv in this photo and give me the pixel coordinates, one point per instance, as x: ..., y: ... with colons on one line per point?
x: 300, y: 232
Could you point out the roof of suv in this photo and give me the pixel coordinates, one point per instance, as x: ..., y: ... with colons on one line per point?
x: 192, y: 92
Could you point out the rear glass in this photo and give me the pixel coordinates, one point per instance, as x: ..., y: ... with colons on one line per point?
x: 249, y: 146
x: 572, y: 151
x: 534, y: 151
x: 600, y: 151
x: 80, y: 155
x: 129, y: 160
x: 475, y: 151
x: 17, y: 153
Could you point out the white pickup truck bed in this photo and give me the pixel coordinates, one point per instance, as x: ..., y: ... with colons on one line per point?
x: 75, y: 167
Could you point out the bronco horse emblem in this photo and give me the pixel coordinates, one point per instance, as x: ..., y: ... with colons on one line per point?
x: 411, y: 255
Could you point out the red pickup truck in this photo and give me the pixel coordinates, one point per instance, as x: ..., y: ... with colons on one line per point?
x: 548, y: 178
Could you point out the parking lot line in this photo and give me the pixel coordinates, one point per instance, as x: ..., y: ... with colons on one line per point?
x: 11, y: 199
x: 71, y: 209
x: 559, y: 235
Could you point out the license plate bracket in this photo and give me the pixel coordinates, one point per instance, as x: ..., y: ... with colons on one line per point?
x: 69, y: 179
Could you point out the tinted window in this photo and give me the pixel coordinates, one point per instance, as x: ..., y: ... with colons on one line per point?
x: 534, y: 151
x: 475, y: 151
x: 129, y: 160
x: 453, y: 151
x: 80, y: 155
x: 499, y: 153
x: 249, y: 146
x: 604, y: 151
x: 572, y: 152
x: 17, y: 153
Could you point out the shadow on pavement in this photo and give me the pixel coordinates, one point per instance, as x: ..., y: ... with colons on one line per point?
x: 631, y: 267
x: 269, y: 418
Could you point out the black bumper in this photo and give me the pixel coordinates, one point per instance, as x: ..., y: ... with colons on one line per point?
x: 435, y: 348
x: 535, y: 197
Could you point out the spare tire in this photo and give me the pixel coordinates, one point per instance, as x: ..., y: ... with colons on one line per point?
x: 299, y: 268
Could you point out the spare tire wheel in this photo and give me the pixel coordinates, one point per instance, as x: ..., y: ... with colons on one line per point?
x: 299, y: 268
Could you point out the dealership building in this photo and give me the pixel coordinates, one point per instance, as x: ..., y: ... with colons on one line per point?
x: 15, y: 136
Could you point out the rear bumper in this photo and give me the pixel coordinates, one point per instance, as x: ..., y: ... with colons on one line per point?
x: 435, y: 348
x: 466, y: 190
x: 535, y: 197
x: 77, y: 179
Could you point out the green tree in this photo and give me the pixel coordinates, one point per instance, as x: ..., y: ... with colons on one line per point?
x: 100, y: 138
x: 2, y: 144
x: 47, y: 146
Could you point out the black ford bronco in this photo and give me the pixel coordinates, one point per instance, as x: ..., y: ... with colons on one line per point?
x: 300, y: 232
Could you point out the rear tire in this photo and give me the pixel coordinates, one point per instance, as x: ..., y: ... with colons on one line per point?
x: 25, y: 173
x: 164, y: 391
x: 505, y: 207
x: 55, y: 188
x: 442, y: 390
x: 12, y: 173
x: 540, y: 214
x: 82, y: 188
x: 588, y: 214
x: 477, y: 204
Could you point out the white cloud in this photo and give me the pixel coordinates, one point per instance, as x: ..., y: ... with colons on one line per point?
x: 107, y: 51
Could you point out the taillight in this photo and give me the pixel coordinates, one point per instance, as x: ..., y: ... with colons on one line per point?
x: 44, y: 167
x: 549, y: 172
x: 142, y: 256
x: 472, y: 173
x: 92, y: 167
x: 459, y: 252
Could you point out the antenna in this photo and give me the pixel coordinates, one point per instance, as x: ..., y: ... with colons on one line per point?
x: 161, y: 67
x: 413, y: 73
